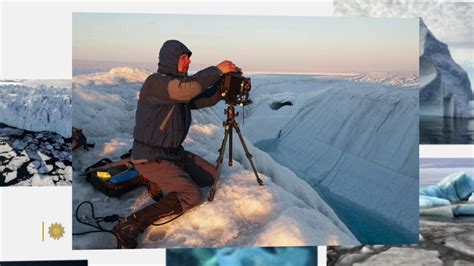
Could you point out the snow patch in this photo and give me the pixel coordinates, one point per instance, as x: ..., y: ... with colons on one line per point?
x: 115, y: 76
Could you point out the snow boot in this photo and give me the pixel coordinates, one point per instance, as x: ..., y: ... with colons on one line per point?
x: 127, y: 231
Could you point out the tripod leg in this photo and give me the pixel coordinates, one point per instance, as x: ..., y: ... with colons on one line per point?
x: 247, y: 153
x: 219, y: 161
x: 230, y: 144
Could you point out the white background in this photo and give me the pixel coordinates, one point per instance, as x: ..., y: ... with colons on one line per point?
x: 36, y: 43
x: 446, y: 151
x: 23, y: 209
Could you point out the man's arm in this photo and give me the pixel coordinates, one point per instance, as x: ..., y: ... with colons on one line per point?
x: 171, y: 90
x: 208, y: 98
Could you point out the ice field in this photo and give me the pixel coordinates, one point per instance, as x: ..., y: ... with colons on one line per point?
x: 350, y: 132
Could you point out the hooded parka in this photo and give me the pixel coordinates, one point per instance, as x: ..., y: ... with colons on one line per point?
x: 163, y: 115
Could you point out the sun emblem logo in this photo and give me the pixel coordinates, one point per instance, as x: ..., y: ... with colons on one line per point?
x: 56, y: 231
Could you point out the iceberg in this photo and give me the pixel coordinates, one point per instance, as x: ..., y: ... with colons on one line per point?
x: 458, y: 186
x: 445, y: 89
x: 442, y: 211
x: 453, y: 193
x: 429, y: 202
x: 464, y: 210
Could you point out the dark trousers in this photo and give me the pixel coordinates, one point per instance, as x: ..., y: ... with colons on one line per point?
x: 184, y: 177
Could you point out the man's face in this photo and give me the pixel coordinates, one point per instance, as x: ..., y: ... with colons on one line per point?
x: 183, y: 63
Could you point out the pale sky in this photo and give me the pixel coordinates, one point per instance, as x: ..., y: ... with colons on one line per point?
x: 450, y: 22
x: 255, y: 43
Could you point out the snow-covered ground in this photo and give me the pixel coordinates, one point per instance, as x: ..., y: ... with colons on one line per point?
x: 286, y: 211
x: 37, y: 105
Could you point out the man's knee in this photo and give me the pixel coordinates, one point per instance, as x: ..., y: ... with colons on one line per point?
x: 202, y: 172
x: 154, y: 191
x: 195, y: 197
x: 190, y: 198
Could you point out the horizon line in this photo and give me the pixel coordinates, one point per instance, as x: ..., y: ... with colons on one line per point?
x: 245, y: 72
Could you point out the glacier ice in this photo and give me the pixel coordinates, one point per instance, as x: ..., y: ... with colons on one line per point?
x: 40, y: 108
x: 445, y: 89
x: 357, y: 140
x: 400, y: 80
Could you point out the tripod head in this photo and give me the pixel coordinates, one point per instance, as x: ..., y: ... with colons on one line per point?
x: 231, y: 114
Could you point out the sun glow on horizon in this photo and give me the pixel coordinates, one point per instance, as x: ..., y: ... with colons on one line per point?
x: 305, y: 44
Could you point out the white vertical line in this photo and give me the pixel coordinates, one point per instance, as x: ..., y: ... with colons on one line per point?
x: 2, y: 33
x: 2, y: 238
x: 322, y: 256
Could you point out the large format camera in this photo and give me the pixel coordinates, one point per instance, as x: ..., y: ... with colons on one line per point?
x: 235, y: 89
